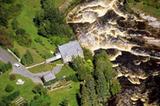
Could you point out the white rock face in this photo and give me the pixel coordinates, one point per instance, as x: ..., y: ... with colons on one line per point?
x: 152, y: 21
x: 98, y: 26
x: 103, y: 31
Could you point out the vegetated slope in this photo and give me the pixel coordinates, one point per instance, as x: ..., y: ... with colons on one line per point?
x: 19, y: 33
x: 25, y: 22
x: 150, y: 7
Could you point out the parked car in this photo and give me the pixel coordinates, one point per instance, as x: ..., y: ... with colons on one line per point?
x: 16, y: 65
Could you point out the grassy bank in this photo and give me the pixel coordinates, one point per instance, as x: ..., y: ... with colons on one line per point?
x: 38, y: 50
x: 149, y: 7
x: 68, y: 92
x: 25, y: 89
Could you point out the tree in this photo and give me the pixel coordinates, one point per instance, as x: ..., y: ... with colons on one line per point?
x: 9, y: 88
x: 5, y: 39
x: 82, y: 68
x: 41, y: 98
x: 102, y: 87
x: 90, y: 85
x: 64, y: 103
x: 39, y: 89
x: 27, y: 58
x: 12, y: 77
x: 51, y: 22
x: 20, y: 31
x: 84, y: 96
x: 106, y: 84
x: 87, y: 54
x: 5, y: 67
x: 115, y: 87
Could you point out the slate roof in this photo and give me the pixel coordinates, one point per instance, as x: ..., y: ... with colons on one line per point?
x: 49, y: 76
x: 70, y: 50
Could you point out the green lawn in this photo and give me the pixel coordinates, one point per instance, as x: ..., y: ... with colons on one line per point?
x: 44, y: 67
x: 25, y: 20
x: 39, y: 51
x: 25, y: 89
x: 68, y: 92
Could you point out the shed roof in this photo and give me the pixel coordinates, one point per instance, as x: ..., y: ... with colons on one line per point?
x: 70, y: 50
x: 49, y: 76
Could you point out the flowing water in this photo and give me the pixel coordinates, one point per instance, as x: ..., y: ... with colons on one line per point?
x: 132, y: 42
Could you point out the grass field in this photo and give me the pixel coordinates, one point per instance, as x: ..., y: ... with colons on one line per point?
x: 44, y: 67
x: 25, y: 89
x: 25, y: 20
x: 68, y: 92
x: 39, y: 51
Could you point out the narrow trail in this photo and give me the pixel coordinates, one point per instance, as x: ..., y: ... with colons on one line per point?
x: 38, y: 64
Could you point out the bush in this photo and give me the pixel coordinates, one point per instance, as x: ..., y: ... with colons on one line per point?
x: 12, y: 77
x: 20, y: 31
x: 51, y: 22
x: 38, y: 89
x: 14, y: 24
x: 5, y: 67
x: 87, y: 54
x: 64, y: 103
x: 27, y: 58
x: 9, y: 88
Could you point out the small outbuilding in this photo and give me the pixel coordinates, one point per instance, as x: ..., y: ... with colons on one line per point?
x: 49, y: 77
x: 70, y: 50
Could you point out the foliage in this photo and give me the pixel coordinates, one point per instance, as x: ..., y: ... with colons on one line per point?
x: 5, y: 67
x: 64, y: 103
x: 5, y: 39
x: 27, y: 58
x: 151, y: 7
x: 90, y: 85
x: 87, y: 54
x: 84, y: 95
x: 82, y: 68
x: 12, y: 77
x: 9, y: 88
x: 99, y: 82
x: 106, y: 84
x: 6, y: 100
x: 41, y: 98
x: 8, y: 10
x: 58, y: 40
x: 50, y: 21
x: 22, y: 37
x: 38, y: 89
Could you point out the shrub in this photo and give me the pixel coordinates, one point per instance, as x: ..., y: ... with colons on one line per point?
x: 20, y: 31
x: 9, y: 88
x: 27, y: 58
x: 5, y: 67
x: 12, y: 77
x: 87, y: 54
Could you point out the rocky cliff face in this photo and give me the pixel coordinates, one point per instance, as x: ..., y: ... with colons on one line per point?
x: 131, y: 40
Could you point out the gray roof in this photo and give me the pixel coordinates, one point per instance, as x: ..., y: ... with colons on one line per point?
x: 69, y: 50
x: 49, y: 76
